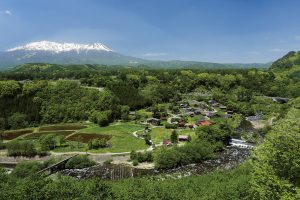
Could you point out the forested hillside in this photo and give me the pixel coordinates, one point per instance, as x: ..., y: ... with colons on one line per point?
x: 42, y: 98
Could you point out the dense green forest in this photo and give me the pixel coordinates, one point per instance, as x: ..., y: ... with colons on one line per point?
x: 35, y: 94
x: 50, y: 93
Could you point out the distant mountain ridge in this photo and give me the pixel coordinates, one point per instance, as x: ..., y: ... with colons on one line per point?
x: 96, y: 53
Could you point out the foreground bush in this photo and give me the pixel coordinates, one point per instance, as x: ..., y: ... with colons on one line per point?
x: 26, y: 168
x: 141, y: 156
x: 21, y: 148
x: 40, y: 188
x: 276, y: 163
x: 224, y: 185
x: 190, y: 153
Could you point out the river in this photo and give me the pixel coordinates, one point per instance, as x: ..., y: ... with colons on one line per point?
x: 227, y: 159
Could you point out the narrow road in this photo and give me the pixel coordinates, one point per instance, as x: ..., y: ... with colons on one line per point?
x: 271, y: 121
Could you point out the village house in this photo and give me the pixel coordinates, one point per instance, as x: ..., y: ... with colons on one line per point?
x: 153, y: 121
x: 132, y: 113
x: 223, y: 107
x: 167, y: 143
x: 197, y: 112
x: 181, y: 124
x: 230, y: 112
x: 203, y: 123
x: 213, y: 103
x: 208, y: 113
x: 183, y: 138
x: 226, y: 116
x: 191, y: 126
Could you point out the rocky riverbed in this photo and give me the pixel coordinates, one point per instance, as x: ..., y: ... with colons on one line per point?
x: 227, y: 159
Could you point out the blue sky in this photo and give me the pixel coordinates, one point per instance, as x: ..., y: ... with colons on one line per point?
x: 203, y: 30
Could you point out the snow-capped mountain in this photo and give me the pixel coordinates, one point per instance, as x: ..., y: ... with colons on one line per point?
x: 96, y: 53
x: 60, y: 47
x: 63, y: 53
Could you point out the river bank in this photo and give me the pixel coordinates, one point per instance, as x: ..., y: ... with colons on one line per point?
x: 227, y: 159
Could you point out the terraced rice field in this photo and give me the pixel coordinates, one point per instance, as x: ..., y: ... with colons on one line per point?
x: 37, y: 135
x: 10, y: 135
x: 86, y: 137
x: 62, y: 127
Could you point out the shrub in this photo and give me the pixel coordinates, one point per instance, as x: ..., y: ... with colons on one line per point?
x: 147, y: 138
x: 2, y: 145
x: 26, y: 168
x: 47, y: 142
x: 135, y: 162
x: 174, y: 136
x: 141, y: 156
x: 17, y: 120
x: 79, y: 162
x: 101, y: 118
x: 98, y: 143
x: 21, y: 148
x: 171, y: 126
x: 109, y: 161
x: 133, y: 155
x: 190, y: 153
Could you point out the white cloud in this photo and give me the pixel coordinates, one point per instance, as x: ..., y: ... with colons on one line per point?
x: 6, y: 12
x: 153, y: 54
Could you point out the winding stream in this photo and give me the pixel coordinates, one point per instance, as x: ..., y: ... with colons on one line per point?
x: 227, y: 159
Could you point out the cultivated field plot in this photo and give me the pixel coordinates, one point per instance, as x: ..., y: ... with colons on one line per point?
x: 61, y: 127
x: 10, y: 135
x: 37, y: 135
x: 87, y: 137
x: 116, y: 129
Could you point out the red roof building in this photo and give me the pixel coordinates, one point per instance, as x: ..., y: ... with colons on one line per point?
x: 204, y: 123
x: 167, y: 143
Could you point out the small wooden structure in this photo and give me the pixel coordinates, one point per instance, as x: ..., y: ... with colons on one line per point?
x: 56, y: 167
x: 183, y: 138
